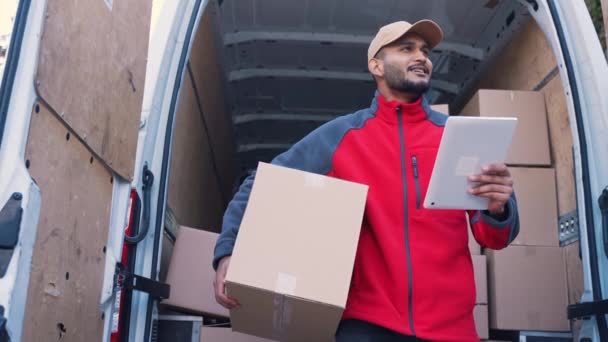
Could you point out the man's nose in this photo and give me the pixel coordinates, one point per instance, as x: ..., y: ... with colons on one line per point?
x: 420, y: 56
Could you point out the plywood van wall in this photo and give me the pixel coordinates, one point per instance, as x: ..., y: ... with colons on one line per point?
x: 68, y: 260
x: 91, y: 72
x: 202, y: 165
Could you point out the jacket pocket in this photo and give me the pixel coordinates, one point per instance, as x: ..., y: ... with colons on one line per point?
x: 416, y: 180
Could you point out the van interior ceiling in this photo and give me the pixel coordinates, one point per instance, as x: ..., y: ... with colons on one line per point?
x: 263, y: 74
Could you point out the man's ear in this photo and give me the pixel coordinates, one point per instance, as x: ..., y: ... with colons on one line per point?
x: 376, y: 67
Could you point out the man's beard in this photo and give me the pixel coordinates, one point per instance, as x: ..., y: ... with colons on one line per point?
x: 394, y: 81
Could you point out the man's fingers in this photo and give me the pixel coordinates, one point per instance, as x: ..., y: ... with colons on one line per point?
x: 491, y: 188
x: 495, y: 169
x: 495, y: 196
x: 221, y: 297
x: 490, y: 179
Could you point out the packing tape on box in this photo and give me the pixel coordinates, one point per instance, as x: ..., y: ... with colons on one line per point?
x: 281, y: 317
x: 314, y: 181
x: 285, y: 284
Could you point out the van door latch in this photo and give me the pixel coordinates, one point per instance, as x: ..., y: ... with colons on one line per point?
x: 603, y: 204
x: 129, y: 281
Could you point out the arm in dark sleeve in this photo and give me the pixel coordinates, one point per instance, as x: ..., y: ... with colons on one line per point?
x: 492, y: 233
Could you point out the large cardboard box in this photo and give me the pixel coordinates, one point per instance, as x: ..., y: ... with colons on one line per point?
x: 528, y: 289
x: 191, y: 274
x: 481, y: 278
x: 215, y: 334
x: 293, y: 259
x: 536, y: 195
x: 480, y: 313
x: 530, y: 144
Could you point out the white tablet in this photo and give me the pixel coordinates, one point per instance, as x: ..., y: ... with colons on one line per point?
x: 468, y: 143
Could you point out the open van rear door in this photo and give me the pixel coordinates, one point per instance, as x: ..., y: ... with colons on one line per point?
x: 71, y: 105
x: 19, y: 195
x: 584, y: 73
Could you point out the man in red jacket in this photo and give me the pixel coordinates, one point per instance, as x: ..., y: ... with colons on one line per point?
x: 413, y: 276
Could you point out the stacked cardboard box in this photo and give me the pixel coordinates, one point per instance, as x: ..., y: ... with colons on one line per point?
x: 527, y: 280
x: 481, y: 302
x: 190, y: 274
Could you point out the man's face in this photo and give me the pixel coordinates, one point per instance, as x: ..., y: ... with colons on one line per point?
x: 407, y: 67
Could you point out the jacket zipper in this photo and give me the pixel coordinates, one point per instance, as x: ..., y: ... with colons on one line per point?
x: 407, y: 240
x: 416, y: 181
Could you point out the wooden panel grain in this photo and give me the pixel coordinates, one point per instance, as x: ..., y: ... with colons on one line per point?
x: 194, y: 193
x: 68, y: 260
x: 209, y: 79
x: 524, y: 63
x: 561, y: 144
x: 91, y: 72
x: 574, y: 269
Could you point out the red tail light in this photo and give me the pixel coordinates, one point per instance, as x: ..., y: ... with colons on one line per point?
x: 118, y: 312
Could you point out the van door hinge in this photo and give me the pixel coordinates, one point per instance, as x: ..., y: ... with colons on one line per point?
x: 568, y: 228
x: 126, y: 280
x: 3, y: 332
x: 10, y: 225
x: 10, y: 221
x: 588, y: 309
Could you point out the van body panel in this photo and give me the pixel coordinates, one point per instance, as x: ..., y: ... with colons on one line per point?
x: 97, y: 54
x: 17, y: 101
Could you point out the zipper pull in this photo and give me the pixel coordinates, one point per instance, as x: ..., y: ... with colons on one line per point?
x: 415, y: 163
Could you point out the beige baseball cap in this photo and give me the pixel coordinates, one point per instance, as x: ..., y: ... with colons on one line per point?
x: 427, y: 29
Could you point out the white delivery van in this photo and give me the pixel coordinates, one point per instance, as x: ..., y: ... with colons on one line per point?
x: 112, y: 112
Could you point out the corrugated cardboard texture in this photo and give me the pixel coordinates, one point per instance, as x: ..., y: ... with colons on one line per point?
x: 481, y: 278
x: 481, y: 321
x: 530, y: 144
x: 528, y: 289
x: 212, y: 334
x: 298, y: 236
x: 537, y: 205
x: 282, y: 318
x: 191, y: 275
